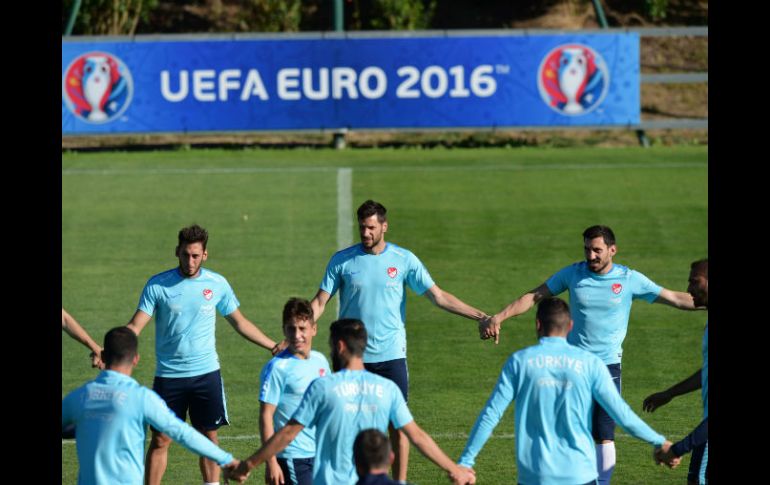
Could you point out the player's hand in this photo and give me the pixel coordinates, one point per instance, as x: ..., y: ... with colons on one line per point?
x: 654, y: 401
x: 237, y: 471
x: 664, y: 456
x: 463, y: 475
x: 279, y: 346
x: 273, y: 473
x: 96, y: 361
x: 229, y: 468
x: 489, y: 327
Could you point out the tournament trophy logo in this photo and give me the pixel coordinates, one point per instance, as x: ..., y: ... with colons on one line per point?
x: 573, y: 79
x: 97, y: 87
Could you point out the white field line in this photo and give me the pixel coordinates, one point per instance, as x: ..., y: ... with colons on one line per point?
x: 383, y: 168
x: 344, y: 212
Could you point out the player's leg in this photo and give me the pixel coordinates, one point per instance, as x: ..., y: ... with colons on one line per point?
x: 604, y: 434
x: 157, y: 458
x: 297, y: 471
x: 696, y: 474
x: 208, y: 411
x: 398, y: 372
x: 174, y: 393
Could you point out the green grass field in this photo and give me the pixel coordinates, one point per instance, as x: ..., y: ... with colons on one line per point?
x: 489, y: 224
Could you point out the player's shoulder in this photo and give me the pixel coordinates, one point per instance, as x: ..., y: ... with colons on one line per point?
x: 399, y: 251
x: 578, y: 267
x: 623, y: 271
x: 164, y: 277
x: 278, y: 362
x: 344, y: 254
x: 385, y: 382
x: 316, y: 355
x: 589, y: 358
x: 398, y: 254
x: 209, y: 275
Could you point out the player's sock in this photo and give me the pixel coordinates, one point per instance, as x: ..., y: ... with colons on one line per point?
x: 210, y: 483
x: 605, y: 462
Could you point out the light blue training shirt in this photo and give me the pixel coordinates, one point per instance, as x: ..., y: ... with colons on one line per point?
x: 185, y: 316
x: 554, y: 385
x: 373, y: 290
x: 601, y: 304
x: 342, y: 405
x: 111, y: 414
x: 284, y: 380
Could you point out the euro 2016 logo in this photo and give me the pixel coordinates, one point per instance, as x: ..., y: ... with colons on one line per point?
x: 97, y: 87
x: 573, y: 79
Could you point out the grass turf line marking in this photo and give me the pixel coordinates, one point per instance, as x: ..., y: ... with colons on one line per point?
x: 344, y: 212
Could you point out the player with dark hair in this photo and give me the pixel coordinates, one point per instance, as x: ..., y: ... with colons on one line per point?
x: 111, y: 414
x: 284, y: 381
x: 697, y: 440
x: 372, y: 278
x: 554, y: 385
x: 601, y: 293
x: 343, y: 404
x: 184, y: 301
x: 373, y: 457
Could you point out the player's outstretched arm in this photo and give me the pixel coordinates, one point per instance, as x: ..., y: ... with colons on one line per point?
x: 77, y: 332
x: 273, y: 472
x: 250, y: 332
x: 518, y: 306
x: 318, y: 303
x: 138, y: 322
x: 277, y: 443
x: 677, y: 299
x: 452, y: 304
x: 654, y: 401
x: 422, y: 440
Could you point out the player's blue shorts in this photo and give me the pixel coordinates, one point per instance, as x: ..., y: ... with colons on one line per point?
x: 699, y: 467
x: 203, y: 396
x: 603, y: 425
x: 297, y: 471
x: 395, y: 370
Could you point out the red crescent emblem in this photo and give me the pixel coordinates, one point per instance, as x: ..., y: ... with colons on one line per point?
x: 617, y: 288
x: 207, y: 294
x: 392, y: 272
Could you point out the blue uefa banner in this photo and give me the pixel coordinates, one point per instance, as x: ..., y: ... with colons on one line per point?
x: 173, y: 86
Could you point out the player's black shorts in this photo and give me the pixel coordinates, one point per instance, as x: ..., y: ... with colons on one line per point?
x: 203, y: 396
x: 297, y: 471
x: 699, y: 466
x: 395, y: 370
x: 603, y: 425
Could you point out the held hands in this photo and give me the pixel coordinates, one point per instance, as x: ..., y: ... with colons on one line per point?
x: 462, y: 475
x: 654, y: 401
x: 664, y: 456
x: 96, y: 361
x: 489, y: 327
x: 236, y: 470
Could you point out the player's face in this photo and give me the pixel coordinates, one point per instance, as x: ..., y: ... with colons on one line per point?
x: 191, y: 257
x: 372, y: 231
x: 299, y: 333
x: 599, y: 255
x: 698, y: 287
